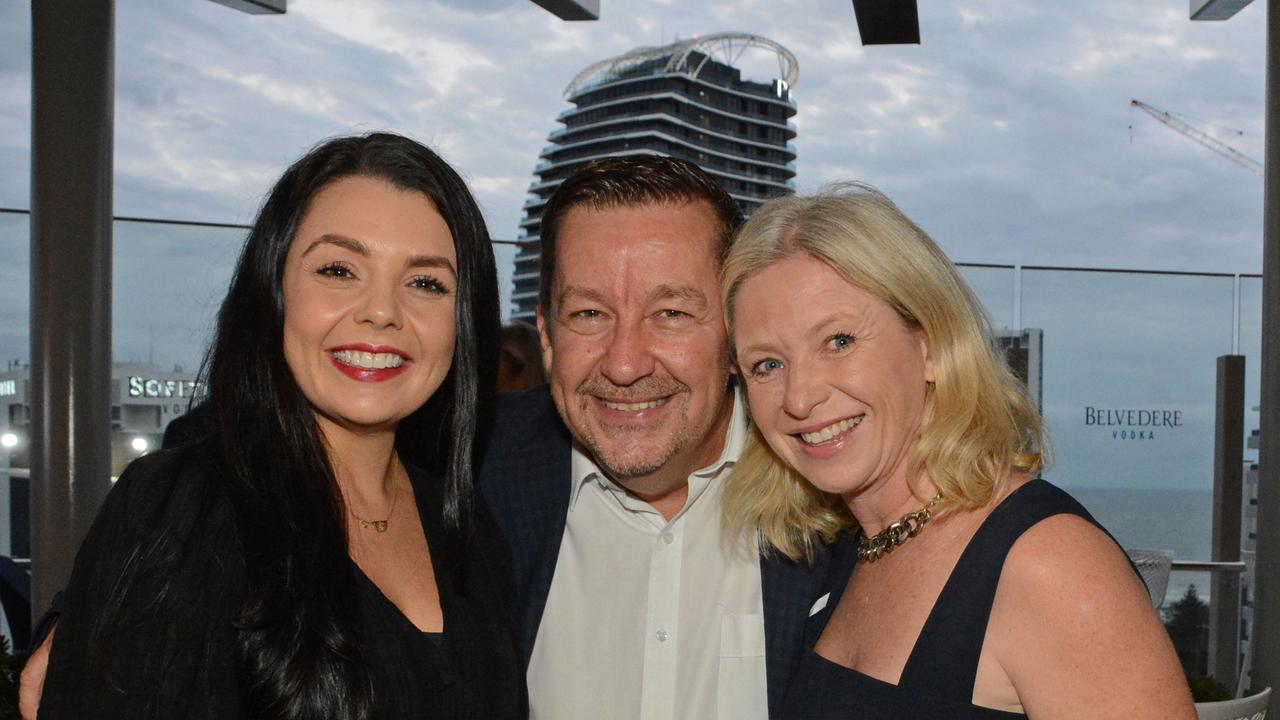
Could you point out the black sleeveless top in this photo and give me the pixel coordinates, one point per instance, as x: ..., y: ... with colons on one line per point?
x: 937, y: 681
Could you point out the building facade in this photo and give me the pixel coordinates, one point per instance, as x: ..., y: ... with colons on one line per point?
x: 144, y: 400
x: 1024, y: 352
x: 684, y: 100
x: 1249, y: 554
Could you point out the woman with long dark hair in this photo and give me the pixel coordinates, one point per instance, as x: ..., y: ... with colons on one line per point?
x: 315, y: 550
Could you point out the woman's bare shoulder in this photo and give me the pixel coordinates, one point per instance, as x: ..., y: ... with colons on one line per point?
x: 1073, y: 628
x: 1068, y: 548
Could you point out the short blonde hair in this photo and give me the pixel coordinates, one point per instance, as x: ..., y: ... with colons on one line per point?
x: 978, y: 426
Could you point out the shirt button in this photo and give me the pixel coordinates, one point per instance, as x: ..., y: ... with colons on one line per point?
x: 661, y: 635
x: 668, y: 538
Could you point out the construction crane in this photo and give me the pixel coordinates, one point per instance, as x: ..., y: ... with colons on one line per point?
x: 1201, y: 137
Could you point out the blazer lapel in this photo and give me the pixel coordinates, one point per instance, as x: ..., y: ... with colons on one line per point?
x: 552, y: 507
x: 798, y: 600
x: 525, y: 482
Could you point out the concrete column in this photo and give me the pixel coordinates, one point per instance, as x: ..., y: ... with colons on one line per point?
x: 1266, y: 635
x: 73, y: 88
x: 1228, y: 491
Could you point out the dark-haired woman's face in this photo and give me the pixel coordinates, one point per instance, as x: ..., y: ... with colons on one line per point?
x: 370, y: 285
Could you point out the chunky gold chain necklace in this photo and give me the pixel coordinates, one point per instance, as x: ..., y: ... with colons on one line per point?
x: 378, y: 525
x: 873, y: 548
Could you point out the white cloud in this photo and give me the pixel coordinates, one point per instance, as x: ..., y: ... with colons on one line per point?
x: 307, y: 99
x: 497, y: 184
x: 439, y: 61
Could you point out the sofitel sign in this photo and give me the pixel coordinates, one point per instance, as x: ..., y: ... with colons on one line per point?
x: 155, y: 388
x: 1132, y: 423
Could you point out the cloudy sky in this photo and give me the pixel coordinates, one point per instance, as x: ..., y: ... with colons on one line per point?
x: 1007, y: 133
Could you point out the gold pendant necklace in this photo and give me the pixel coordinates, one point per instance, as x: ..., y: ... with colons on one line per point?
x: 873, y: 548
x: 377, y: 525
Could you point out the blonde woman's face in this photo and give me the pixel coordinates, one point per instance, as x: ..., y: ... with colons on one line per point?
x: 835, y: 378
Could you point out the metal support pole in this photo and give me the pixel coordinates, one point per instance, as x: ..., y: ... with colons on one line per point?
x: 72, y: 93
x: 1265, y: 642
x: 1228, y: 492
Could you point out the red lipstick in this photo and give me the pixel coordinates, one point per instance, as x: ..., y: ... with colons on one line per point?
x: 363, y: 374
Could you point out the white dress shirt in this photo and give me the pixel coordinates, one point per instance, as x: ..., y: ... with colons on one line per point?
x: 650, y: 619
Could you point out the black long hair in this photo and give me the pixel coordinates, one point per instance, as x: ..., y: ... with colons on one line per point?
x: 298, y: 646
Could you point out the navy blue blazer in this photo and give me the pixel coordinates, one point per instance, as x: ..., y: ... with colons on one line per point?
x: 525, y: 481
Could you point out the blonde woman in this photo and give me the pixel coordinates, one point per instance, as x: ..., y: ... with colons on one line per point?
x: 880, y: 406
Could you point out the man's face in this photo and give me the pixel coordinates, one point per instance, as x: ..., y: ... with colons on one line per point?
x: 634, y: 341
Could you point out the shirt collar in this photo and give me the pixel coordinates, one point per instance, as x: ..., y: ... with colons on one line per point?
x: 583, y: 468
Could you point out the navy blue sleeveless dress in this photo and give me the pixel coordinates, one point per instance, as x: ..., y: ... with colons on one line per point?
x: 937, y: 681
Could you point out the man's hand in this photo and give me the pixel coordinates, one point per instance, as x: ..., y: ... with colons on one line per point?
x: 31, y: 681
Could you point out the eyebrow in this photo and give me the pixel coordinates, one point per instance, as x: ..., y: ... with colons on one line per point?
x: 578, y: 291
x: 662, y: 292
x: 680, y: 292
x: 842, y: 320
x: 341, y: 241
x: 837, y: 317
x: 359, y: 248
x: 432, y: 261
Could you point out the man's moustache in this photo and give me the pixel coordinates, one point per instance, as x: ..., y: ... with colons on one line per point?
x: 632, y: 393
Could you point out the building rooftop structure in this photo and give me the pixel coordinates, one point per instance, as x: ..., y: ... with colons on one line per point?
x: 686, y: 100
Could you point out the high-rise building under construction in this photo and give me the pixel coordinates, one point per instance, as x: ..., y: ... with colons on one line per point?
x: 685, y: 100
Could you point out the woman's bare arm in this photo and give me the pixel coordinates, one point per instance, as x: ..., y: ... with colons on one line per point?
x: 1074, y: 631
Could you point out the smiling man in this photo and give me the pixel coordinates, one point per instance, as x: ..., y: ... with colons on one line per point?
x: 635, y: 343
x: 608, y: 486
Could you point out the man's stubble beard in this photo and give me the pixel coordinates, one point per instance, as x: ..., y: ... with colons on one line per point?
x: 621, y: 469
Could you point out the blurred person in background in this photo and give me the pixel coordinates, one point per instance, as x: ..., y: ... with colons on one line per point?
x: 520, y: 365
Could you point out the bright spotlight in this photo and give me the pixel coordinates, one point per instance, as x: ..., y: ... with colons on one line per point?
x: 140, y: 444
x: 8, y: 440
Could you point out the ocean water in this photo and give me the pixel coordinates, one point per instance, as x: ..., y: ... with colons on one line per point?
x: 1177, y: 520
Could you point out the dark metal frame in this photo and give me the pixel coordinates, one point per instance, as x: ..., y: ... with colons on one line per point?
x: 887, y: 22
x: 1265, y: 643
x: 72, y: 123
